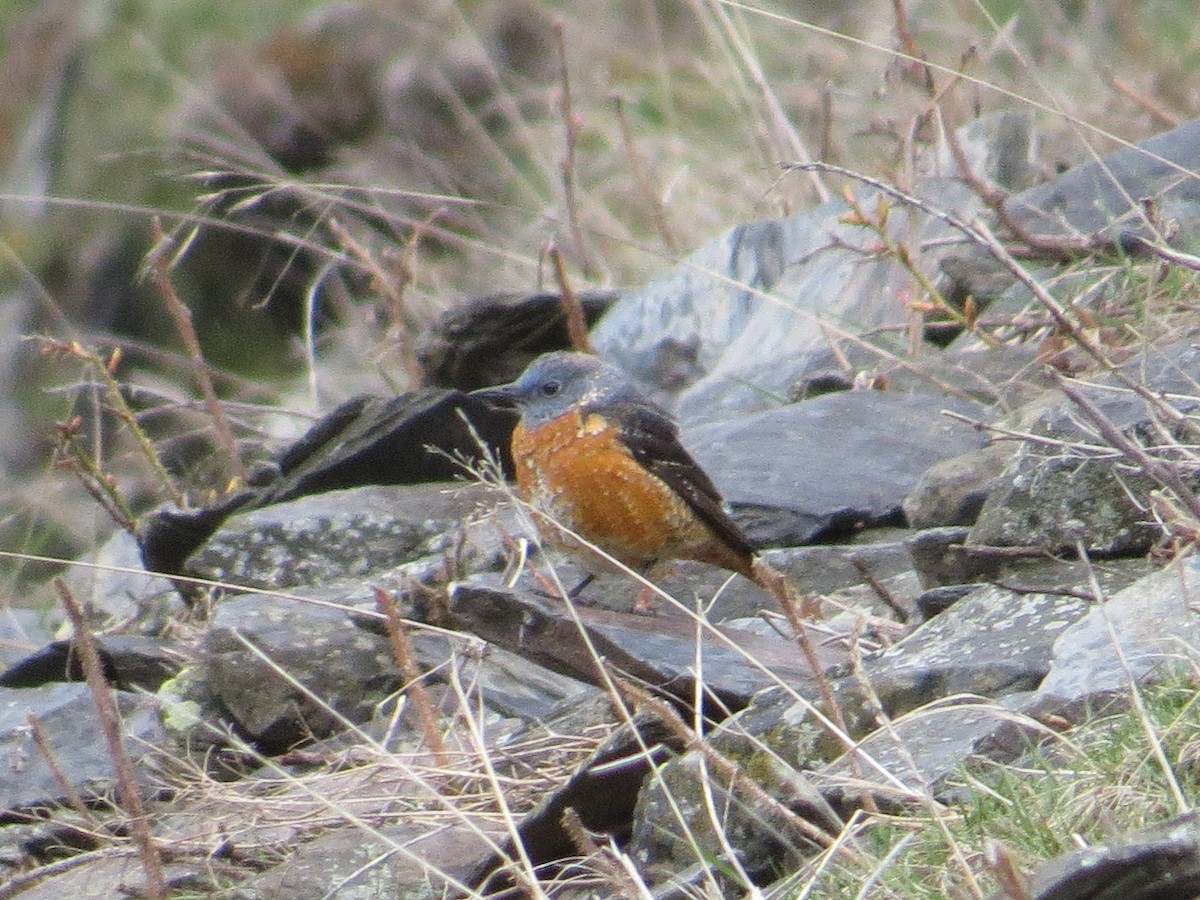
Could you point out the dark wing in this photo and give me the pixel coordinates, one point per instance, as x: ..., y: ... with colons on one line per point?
x: 653, y: 439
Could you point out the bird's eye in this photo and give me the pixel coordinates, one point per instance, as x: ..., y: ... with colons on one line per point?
x: 550, y: 388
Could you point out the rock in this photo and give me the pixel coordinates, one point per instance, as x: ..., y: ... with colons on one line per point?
x: 117, y: 876
x: 67, y: 718
x: 340, y: 666
x: 1156, y: 862
x: 953, y: 491
x: 411, y: 861
x: 117, y: 587
x: 1072, y: 486
x: 130, y: 663
x: 335, y: 535
x: 1155, y: 625
x: 792, y: 479
x: 490, y: 340
x: 920, y: 755
x: 946, y: 656
x: 941, y: 560
x: 1105, y: 194
x: 419, y: 437
x: 602, y: 792
x: 659, y: 651
x: 729, y: 323
x: 334, y: 670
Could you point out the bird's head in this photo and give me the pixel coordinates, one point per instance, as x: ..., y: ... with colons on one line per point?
x: 554, y: 383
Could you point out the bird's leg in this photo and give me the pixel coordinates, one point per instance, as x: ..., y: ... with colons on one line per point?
x: 578, y: 589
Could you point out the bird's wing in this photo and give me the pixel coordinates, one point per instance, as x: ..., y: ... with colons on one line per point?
x: 653, y: 439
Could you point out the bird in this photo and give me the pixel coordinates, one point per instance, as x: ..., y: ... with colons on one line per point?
x: 594, y: 456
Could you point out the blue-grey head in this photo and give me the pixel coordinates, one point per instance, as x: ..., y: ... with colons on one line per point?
x: 556, y: 382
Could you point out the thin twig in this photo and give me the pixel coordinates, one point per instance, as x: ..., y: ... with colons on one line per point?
x: 51, y: 758
x: 570, y: 136
x: 413, y: 676
x: 159, y: 266
x: 1165, y: 474
x: 658, y: 214
x: 109, y: 716
x: 572, y: 309
x: 105, y: 370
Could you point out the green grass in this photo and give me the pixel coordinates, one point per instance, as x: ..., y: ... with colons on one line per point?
x: 1088, y: 786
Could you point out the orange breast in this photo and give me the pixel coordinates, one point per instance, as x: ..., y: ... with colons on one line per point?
x: 576, y: 471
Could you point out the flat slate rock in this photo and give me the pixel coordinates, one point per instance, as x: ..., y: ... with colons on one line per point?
x: 413, y: 438
x: 331, y: 664
x: 1155, y: 622
x: 1155, y: 863
x: 335, y: 535
x: 69, y: 722
x: 660, y: 651
x: 830, y: 465
x: 744, y: 307
x: 1106, y: 194
x: 491, y: 339
x: 130, y: 662
x: 945, y: 656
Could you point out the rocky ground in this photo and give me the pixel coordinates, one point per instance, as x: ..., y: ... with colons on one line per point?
x: 990, y: 513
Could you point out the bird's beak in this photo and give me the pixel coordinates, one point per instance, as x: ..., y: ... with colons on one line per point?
x: 501, y: 396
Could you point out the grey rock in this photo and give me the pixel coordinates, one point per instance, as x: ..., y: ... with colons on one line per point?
x: 340, y: 658
x: 68, y: 720
x: 953, y: 491
x: 819, y: 569
x: 1071, y: 486
x: 1104, y: 194
x: 918, y: 754
x: 1154, y: 622
x: 118, y: 876
x: 130, y: 662
x: 658, y: 650
x: 949, y: 655
x: 491, y: 339
x: 829, y: 465
x: 335, y: 535
x: 402, y: 862
x: 118, y: 587
x: 1156, y: 862
x: 602, y: 792
x: 335, y: 669
x: 730, y: 322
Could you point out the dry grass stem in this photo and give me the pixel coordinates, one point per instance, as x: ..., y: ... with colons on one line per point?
x: 568, y: 165
x: 51, y: 758
x: 802, y: 829
x: 413, y: 676
x: 637, y: 166
x: 158, y: 262
x: 1166, y: 474
x: 572, y: 309
x: 109, y: 715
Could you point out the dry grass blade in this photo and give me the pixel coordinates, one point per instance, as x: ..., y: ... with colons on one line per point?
x: 159, y: 265
x: 413, y: 676
x: 569, y: 301
x: 110, y: 724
